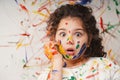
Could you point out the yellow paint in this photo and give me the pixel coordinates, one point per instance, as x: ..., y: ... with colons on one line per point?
x: 40, y: 13
x: 19, y: 45
x: 70, y: 38
x: 61, y: 49
x: 109, y: 52
x: 48, y: 52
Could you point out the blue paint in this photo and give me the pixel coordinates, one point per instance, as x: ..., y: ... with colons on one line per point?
x: 81, y: 51
x: 64, y: 64
x: 83, y: 2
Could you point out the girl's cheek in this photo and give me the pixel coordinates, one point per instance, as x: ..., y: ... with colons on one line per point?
x: 80, y: 51
x: 78, y: 45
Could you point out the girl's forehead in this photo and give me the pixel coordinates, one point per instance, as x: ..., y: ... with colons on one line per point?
x: 70, y: 22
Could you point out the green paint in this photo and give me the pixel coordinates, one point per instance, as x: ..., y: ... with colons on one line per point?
x: 67, y: 56
x: 80, y: 74
x: 77, y: 46
x: 119, y: 31
x: 94, y: 70
x: 23, y: 61
x: 117, y: 12
x: 73, y: 78
x: 110, y: 26
x: 67, y: 39
x: 109, y: 8
x: 116, y: 3
x: 101, y: 58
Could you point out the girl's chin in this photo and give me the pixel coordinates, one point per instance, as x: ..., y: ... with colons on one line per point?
x: 69, y: 57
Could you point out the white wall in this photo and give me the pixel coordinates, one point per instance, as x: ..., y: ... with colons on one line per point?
x: 17, y: 49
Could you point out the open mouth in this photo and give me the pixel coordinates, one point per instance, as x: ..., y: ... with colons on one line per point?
x: 70, y: 51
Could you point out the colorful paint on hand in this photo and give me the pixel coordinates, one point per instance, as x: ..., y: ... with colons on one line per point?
x: 50, y: 50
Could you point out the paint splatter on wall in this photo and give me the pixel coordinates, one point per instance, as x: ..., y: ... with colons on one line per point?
x: 22, y: 33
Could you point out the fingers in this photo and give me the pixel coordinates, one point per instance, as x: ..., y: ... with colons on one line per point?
x: 50, y: 49
x: 60, y: 48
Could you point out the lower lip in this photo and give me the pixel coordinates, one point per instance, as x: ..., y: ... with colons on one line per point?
x: 70, y: 53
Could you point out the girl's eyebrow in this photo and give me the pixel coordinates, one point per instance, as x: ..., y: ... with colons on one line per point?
x: 61, y: 29
x: 79, y: 29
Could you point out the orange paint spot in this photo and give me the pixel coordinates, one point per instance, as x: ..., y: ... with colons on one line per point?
x: 90, y: 76
x: 110, y: 65
x: 48, y: 78
x: 25, y: 34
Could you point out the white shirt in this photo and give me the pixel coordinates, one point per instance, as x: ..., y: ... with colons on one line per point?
x: 96, y: 68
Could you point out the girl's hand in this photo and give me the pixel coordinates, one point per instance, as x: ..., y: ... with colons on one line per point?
x: 51, y: 49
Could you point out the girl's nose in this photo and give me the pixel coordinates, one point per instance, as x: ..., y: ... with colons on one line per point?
x: 70, y: 40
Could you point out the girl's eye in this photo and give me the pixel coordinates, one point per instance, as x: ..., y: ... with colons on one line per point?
x: 78, y: 34
x: 62, y: 34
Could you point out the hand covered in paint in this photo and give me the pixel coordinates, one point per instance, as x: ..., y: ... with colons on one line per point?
x: 51, y: 48
x: 51, y: 51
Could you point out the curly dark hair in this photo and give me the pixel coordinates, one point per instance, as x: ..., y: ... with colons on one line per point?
x: 84, y: 13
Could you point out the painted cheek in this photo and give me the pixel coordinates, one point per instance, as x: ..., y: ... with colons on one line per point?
x: 78, y: 45
x: 81, y: 51
x: 63, y: 52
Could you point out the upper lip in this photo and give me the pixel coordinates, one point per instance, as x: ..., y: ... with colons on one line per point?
x: 70, y: 50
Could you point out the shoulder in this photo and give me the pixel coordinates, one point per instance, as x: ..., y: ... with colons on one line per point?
x: 104, y: 63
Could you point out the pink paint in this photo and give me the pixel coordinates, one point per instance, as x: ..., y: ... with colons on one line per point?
x: 66, y: 23
x: 69, y: 31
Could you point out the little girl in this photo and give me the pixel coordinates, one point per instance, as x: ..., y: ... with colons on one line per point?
x: 75, y: 49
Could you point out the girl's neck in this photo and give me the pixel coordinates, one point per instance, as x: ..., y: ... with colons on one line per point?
x: 75, y: 63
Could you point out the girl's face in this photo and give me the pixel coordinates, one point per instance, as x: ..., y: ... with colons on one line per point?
x: 72, y: 37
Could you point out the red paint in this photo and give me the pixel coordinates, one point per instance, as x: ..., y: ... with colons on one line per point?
x: 25, y: 34
x: 101, y: 24
x: 49, y: 76
x: 23, y: 7
x: 90, y: 76
x: 37, y: 73
x: 110, y: 65
x: 66, y: 23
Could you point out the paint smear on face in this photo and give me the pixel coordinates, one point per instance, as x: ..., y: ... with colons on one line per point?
x: 69, y: 38
x: 66, y: 23
x: 81, y: 51
x: 69, y: 31
x: 63, y: 52
x: 60, y: 48
x: 78, y: 45
x: 67, y: 56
